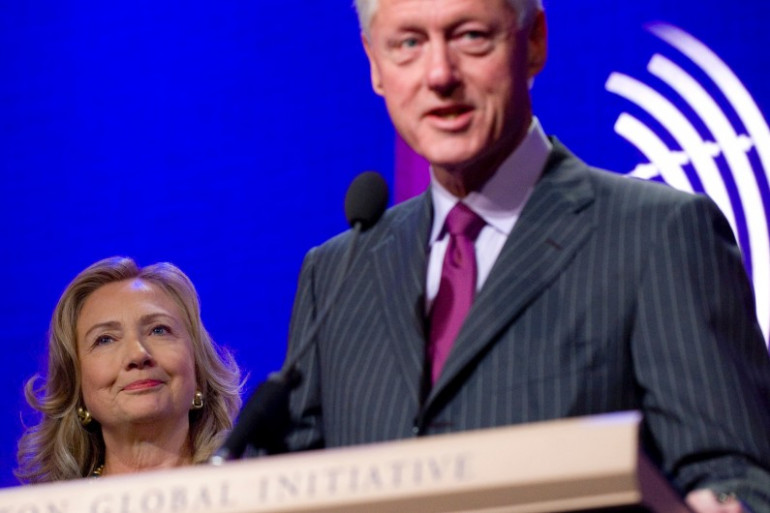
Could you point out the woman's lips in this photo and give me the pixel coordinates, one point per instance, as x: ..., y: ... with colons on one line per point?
x: 143, y: 384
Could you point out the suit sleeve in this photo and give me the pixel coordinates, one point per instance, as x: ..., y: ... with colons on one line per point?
x: 306, y: 430
x: 701, y: 361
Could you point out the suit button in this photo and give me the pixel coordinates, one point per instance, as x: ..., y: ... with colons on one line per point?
x: 416, y: 430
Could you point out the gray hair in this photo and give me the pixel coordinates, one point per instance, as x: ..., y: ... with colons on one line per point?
x: 526, y: 9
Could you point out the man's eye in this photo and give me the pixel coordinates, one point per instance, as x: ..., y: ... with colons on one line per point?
x: 405, y: 48
x: 473, y: 34
x: 474, y: 41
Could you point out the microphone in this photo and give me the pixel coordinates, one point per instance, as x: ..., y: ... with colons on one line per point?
x: 265, y: 418
x: 366, y: 200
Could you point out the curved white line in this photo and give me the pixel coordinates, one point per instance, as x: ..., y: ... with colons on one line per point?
x: 684, y: 133
x: 718, y: 124
x: 756, y: 126
x: 635, y: 132
x: 745, y: 180
x: 644, y: 171
x: 725, y: 79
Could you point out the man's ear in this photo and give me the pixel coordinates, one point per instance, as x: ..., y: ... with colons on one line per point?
x: 537, y: 45
x: 374, y: 70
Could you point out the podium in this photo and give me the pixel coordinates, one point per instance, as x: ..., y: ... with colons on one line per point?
x: 580, y: 464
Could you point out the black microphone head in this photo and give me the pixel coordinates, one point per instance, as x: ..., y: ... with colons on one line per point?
x: 366, y: 199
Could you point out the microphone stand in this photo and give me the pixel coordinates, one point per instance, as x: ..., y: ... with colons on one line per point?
x: 264, y: 420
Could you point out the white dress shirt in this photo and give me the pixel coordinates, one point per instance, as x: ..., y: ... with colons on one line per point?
x: 499, y: 202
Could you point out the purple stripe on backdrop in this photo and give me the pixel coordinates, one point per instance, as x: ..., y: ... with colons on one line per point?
x: 411, y: 177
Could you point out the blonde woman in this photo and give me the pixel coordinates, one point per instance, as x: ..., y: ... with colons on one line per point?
x: 134, y: 381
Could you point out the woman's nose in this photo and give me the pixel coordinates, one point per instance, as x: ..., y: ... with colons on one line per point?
x: 139, y: 355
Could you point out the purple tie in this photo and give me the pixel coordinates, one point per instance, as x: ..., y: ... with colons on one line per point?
x: 458, y: 285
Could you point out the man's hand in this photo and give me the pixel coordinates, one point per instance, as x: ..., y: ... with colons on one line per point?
x: 706, y: 501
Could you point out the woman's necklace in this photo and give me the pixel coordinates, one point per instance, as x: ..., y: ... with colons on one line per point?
x: 98, y: 471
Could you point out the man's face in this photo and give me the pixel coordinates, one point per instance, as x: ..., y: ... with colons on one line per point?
x: 454, y: 75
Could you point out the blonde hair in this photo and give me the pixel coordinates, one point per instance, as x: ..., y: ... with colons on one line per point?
x: 59, y: 447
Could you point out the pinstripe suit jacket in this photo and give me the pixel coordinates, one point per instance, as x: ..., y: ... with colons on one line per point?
x: 610, y: 294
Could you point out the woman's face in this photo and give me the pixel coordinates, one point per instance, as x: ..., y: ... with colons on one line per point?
x: 136, y: 356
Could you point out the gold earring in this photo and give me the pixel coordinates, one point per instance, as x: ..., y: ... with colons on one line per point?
x: 84, y: 416
x: 197, y: 402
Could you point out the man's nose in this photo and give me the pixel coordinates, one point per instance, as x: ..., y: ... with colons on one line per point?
x: 442, y: 75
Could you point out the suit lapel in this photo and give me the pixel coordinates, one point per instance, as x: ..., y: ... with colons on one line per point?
x: 401, y: 266
x: 554, y: 224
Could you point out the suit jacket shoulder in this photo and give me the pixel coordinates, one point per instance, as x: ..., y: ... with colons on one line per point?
x: 610, y: 294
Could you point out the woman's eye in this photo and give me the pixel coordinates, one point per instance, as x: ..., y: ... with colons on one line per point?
x: 161, y: 330
x: 102, y: 340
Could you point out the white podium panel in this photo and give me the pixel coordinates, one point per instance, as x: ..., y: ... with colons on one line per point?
x: 567, y: 465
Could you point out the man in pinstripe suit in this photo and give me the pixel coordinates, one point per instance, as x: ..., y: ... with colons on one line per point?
x: 594, y: 292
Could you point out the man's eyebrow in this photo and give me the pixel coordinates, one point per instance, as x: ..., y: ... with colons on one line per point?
x: 408, y: 26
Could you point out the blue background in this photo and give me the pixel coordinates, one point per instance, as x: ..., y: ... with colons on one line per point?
x: 222, y: 137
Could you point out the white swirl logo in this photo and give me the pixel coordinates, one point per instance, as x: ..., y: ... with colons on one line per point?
x: 729, y: 161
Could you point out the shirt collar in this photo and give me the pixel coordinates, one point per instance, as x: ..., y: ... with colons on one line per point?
x: 502, y: 197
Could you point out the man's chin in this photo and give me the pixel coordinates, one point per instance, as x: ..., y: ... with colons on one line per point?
x: 449, y: 158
